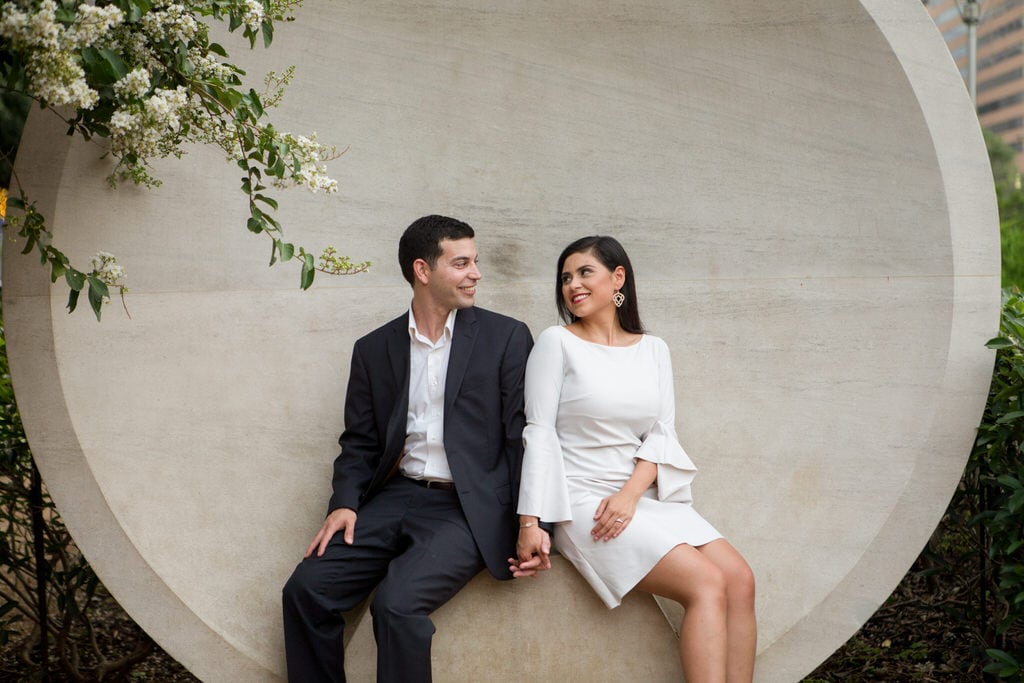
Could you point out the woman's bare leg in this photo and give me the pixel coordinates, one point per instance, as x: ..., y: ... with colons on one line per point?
x: 741, y: 623
x: 688, y: 577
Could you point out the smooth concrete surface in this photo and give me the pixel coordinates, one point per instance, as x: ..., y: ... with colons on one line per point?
x: 805, y: 194
x: 549, y: 628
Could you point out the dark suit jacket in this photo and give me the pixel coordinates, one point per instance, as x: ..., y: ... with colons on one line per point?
x: 483, y: 422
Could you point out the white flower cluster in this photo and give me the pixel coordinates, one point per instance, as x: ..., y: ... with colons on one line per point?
x: 106, y: 268
x: 310, y: 155
x: 205, y: 66
x: 53, y: 70
x: 173, y: 23
x: 134, y: 85
x: 253, y: 15
x: 92, y: 26
x: 166, y: 45
x: 142, y: 128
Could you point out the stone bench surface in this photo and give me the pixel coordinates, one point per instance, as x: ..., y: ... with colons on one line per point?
x: 551, y: 628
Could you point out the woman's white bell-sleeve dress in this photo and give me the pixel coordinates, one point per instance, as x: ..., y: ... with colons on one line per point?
x: 593, y: 410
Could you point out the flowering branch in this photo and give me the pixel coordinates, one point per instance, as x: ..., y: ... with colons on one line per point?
x: 144, y: 75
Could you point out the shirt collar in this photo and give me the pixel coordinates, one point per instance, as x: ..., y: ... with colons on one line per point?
x: 449, y: 326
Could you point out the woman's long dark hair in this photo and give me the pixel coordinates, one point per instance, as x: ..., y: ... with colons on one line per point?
x: 611, y: 254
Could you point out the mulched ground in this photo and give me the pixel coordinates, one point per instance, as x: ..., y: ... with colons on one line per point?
x: 912, y: 637
x: 116, y: 637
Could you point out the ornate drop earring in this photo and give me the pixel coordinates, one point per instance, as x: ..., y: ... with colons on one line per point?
x: 618, y: 298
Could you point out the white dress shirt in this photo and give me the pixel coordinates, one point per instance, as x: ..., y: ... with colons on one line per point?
x: 424, y: 456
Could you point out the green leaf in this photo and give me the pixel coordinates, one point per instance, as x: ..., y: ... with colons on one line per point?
x: 254, y: 102
x: 97, y: 291
x: 278, y: 169
x: 1009, y: 481
x: 256, y: 224
x: 308, y: 272
x: 216, y: 49
x: 268, y: 201
x: 30, y: 242
x: 73, y: 299
x: 103, y: 66
x: 1016, y: 501
x: 228, y: 97
x: 1010, y: 417
x: 287, y: 250
x: 1000, y: 656
x: 56, y: 270
x: 267, y: 28
x: 75, y: 279
x: 999, y: 343
x: 65, y: 15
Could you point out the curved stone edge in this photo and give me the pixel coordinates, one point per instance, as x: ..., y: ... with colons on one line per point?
x: 30, y: 306
x: 973, y: 222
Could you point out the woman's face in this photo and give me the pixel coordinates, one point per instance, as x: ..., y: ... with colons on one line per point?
x: 588, y: 285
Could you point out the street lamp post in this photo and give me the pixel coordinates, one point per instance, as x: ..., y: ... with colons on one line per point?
x: 970, y: 13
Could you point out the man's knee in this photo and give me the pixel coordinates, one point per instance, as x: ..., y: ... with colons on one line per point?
x: 296, y: 589
x: 398, y: 602
x: 390, y: 603
x: 308, y: 587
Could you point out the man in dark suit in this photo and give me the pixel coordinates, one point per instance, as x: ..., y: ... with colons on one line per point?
x: 425, y: 484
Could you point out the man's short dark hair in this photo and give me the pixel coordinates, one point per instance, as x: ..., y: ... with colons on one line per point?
x: 422, y: 240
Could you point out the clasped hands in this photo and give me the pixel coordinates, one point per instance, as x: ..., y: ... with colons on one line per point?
x: 533, y: 551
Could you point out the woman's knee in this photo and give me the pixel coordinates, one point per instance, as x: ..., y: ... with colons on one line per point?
x: 741, y: 583
x: 706, y: 584
x: 713, y: 584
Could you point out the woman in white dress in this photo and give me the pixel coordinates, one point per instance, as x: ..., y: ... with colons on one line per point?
x: 603, y: 464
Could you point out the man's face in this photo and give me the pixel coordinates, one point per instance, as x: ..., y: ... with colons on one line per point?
x: 452, y: 280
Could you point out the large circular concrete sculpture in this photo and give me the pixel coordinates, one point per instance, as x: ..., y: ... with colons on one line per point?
x: 804, y: 191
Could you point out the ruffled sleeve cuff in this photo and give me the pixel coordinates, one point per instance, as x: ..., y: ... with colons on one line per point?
x: 543, y: 491
x: 675, y: 469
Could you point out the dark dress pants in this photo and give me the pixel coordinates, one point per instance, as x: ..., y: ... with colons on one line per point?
x: 414, y: 545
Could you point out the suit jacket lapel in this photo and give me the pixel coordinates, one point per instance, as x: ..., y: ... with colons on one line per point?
x: 463, y: 340
x: 398, y: 353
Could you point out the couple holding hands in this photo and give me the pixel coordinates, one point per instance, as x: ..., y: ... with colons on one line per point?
x: 446, y: 470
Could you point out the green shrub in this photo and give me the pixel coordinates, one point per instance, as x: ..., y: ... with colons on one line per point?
x: 992, y: 494
x: 1011, y: 237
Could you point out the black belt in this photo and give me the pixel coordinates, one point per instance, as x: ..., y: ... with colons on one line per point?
x: 426, y: 483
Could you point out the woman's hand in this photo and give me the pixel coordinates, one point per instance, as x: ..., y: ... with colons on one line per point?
x: 533, y: 552
x: 613, y: 515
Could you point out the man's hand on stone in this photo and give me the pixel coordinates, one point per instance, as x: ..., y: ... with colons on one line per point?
x: 342, y: 519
